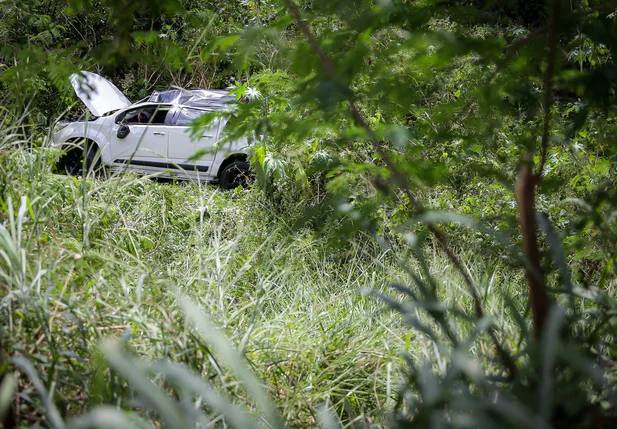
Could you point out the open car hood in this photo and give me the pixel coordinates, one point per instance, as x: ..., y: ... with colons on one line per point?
x: 98, y: 94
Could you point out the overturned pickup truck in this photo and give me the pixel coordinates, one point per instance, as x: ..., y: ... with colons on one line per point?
x: 151, y: 136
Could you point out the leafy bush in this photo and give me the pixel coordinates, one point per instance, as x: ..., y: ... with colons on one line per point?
x: 460, y: 151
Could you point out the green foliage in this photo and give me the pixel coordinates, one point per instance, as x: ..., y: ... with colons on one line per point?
x: 388, y: 138
x: 425, y: 105
x: 142, y: 46
x: 107, y: 258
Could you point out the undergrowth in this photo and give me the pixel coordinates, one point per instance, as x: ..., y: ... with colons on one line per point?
x: 96, y: 258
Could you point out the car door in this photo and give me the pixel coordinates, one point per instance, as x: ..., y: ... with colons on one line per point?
x: 182, y: 147
x: 145, y: 145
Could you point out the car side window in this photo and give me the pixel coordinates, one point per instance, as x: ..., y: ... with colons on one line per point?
x: 148, y: 115
x: 187, y: 115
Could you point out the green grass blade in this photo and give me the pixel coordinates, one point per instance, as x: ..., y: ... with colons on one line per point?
x: 106, y: 417
x: 550, y: 348
x: 326, y: 419
x: 156, y: 399
x: 558, y: 253
x: 235, y: 415
x: 53, y: 415
x: 228, y: 354
x: 7, y: 392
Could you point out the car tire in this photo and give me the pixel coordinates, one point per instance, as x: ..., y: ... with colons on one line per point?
x: 236, y: 174
x: 77, y: 158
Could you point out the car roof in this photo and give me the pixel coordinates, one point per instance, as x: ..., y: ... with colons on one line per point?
x: 200, y: 106
x: 192, y: 97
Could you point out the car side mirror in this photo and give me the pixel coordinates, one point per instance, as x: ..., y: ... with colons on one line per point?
x: 123, y: 131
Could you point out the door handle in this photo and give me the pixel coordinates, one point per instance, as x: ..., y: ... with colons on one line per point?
x: 207, y: 136
x: 159, y: 133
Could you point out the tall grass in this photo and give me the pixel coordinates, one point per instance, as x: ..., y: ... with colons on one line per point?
x: 130, y: 302
x: 86, y: 260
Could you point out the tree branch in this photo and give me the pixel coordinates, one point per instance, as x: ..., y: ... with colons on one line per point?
x: 404, y: 184
x: 548, y: 82
x: 526, y: 195
x: 527, y: 183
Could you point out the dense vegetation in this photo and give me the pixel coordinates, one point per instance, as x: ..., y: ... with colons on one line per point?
x: 430, y: 240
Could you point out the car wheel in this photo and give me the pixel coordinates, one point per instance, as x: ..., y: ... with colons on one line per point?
x: 236, y: 174
x: 76, y: 158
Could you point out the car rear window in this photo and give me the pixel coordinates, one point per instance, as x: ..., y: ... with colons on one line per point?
x: 186, y: 115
